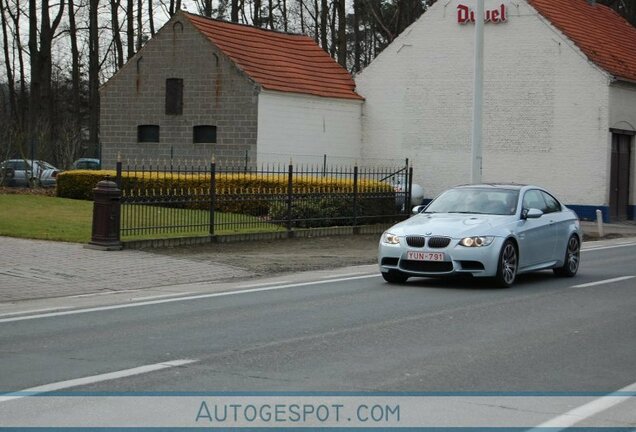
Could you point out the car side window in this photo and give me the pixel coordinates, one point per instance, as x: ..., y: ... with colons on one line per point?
x: 18, y: 165
x: 534, y: 199
x: 552, y: 205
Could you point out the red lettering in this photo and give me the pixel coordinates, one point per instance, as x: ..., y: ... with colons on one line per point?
x: 462, y: 14
x: 465, y: 14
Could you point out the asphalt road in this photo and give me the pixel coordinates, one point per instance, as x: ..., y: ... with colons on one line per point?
x: 353, y: 333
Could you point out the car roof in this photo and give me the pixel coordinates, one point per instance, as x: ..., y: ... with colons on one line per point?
x: 513, y: 186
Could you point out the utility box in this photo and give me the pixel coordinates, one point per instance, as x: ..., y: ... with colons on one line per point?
x: 106, y: 216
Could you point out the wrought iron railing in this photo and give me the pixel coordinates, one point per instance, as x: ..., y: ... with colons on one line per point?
x: 164, y: 200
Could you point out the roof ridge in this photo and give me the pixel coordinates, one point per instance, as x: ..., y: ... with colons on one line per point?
x: 231, y: 23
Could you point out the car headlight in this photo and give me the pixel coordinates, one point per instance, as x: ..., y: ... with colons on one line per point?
x: 476, y: 241
x: 391, y: 239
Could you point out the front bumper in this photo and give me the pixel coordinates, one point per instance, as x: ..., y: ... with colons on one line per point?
x: 458, y: 260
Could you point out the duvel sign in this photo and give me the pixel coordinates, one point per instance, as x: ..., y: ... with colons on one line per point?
x: 467, y: 15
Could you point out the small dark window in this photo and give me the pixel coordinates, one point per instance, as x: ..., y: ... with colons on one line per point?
x: 174, y: 96
x: 204, y: 134
x: 147, y: 133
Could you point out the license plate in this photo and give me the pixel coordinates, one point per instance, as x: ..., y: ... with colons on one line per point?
x: 425, y: 256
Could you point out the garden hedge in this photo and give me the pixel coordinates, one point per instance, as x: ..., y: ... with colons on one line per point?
x: 244, y: 193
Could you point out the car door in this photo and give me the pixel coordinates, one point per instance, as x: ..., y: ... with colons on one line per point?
x: 21, y: 172
x: 537, y: 237
x: 561, y: 223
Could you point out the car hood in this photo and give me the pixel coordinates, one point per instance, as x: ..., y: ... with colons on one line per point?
x: 453, y: 225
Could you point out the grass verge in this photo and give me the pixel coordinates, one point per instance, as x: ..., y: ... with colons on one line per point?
x: 44, y: 217
x: 62, y: 219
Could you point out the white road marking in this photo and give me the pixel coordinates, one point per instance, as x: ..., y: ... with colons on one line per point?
x: 588, y: 410
x: 161, y: 296
x: 602, y: 282
x: 343, y: 275
x: 34, y: 311
x: 596, y: 248
x: 103, y: 293
x: 254, y: 285
x: 47, y: 388
x: 180, y: 299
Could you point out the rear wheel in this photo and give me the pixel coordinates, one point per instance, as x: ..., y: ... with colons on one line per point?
x: 572, y: 258
x: 507, y: 266
x: 394, y: 276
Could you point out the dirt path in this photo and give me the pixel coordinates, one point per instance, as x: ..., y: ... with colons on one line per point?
x: 288, y: 255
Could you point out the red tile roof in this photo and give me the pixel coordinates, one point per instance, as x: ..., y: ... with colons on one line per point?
x: 279, y: 61
x: 605, y: 37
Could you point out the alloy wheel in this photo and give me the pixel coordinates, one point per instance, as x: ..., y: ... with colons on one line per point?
x: 573, y: 254
x: 509, y: 264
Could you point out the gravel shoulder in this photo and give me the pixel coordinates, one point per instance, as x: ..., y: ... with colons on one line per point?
x: 286, y: 255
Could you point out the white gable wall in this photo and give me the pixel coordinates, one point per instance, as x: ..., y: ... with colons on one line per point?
x: 545, y: 113
x: 304, y: 128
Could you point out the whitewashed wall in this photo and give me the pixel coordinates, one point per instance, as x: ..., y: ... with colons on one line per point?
x: 304, y: 128
x: 545, y: 115
x: 623, y: 116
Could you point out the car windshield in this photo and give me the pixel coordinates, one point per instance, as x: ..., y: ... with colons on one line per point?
x: 476, y: 201
x: 46, y: 165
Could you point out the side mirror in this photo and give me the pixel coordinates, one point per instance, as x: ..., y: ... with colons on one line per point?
x: 417, y: 209
x: 532, y: 213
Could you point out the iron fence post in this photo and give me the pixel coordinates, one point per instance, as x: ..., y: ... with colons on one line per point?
x: 355, y: 200
x: 290, y: 175
x: 106, y: 227
x: 409, y: 193
x: 324, y: 165
x: 212, y: 195
x: 118, y: 176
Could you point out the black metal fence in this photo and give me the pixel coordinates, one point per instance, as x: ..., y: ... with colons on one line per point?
x: 163, y: 200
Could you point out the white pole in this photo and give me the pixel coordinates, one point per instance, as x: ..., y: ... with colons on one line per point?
x: 599, y: 223
x: 478, y: 92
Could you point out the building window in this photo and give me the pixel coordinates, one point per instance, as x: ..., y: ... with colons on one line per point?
x: 174, y: 96
x: 147, y: 133
x: 204, y: 134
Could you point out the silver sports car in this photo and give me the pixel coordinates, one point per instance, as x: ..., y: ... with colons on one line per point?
x: 490, y: 230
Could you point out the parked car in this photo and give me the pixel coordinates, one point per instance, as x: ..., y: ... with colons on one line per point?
x: 496, y: 231
x: 21, y: 172
x: 87, y: 164
x: 398, y: 182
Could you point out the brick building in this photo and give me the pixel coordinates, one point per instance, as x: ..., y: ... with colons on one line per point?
x: 203, y: 88
x: 559, y: 100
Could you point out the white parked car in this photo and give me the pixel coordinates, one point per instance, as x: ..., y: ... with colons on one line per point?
x: 399, y: 186
x: 21, y: 172
x: 496, y: 231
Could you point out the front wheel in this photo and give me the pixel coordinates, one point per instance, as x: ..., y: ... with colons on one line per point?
x: 507, y: 265
x: 572, y: 258
x: 394, y: 276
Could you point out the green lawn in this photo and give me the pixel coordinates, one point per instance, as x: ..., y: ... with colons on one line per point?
x: 44, y: 217
x: 52, y: 218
